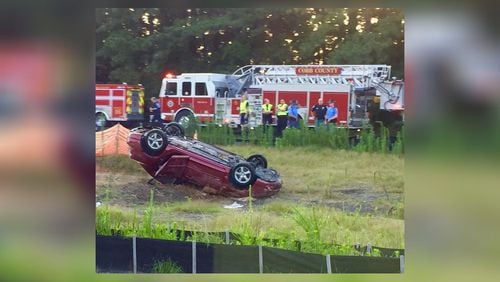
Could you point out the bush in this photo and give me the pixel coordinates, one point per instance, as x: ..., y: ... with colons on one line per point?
x: 323, y: 136
x: 166, y: 266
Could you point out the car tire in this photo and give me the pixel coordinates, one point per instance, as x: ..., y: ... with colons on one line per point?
x: 185, y: 118
x: 242, y: 175
x: 154, y: 141
x: 257, y: 160
x: 173, y: 129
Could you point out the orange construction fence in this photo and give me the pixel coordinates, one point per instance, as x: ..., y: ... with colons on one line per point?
x: 112, y: 141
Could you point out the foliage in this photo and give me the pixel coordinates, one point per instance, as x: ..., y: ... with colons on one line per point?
x: 381, y: 45
x: 249, y: 230
x: 166, y: 266
x: 140, y: 45
x: 336, y: 138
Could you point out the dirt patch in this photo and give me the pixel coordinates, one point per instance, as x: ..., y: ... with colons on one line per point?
x: 363, y: 199
x: 132, y: 190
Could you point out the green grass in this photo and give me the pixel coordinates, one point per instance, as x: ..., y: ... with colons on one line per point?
x: 307, y: 170
x: 317, y: 227
x: 310, y: 174
x: 166, y: 266
x: 315, y: 170
x: 118, y: 163
x: 193, y: 206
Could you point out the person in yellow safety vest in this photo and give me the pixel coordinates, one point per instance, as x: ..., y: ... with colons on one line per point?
x: 267, y: 112
x: 244, y: 109
x: 282, y: 114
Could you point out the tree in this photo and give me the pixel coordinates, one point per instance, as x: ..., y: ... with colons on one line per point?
x: 382, y: 45
x: 141, y: 45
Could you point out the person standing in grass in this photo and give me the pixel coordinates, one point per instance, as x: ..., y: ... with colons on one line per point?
x: 319, y: 112
x: 331, y: 114
x: 293, y: 114
x: 267, y: 113
x: 282, y: 115
x: 244, y: 109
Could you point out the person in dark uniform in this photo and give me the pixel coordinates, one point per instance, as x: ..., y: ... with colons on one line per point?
x: 319, y: 112
x: 155, y: 111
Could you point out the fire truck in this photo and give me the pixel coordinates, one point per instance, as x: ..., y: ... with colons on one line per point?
x: 215, y: 97
x: 119, y: 103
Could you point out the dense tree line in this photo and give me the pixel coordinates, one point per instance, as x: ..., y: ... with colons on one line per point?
x: 141, y: 45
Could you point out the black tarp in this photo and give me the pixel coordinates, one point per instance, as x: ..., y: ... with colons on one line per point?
x: 357, y: 264
x: 113, y: 254
x: 150, y: 250
x: 236, y: 259
x: 283, y: 261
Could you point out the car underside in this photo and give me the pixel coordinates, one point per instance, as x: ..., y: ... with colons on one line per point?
x: 169, y: 157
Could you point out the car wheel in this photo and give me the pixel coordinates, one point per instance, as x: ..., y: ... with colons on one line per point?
x: 154, y: 142
x: 185, y: 118
x: 174, y: 129
x: 242, y: 175
x: 257, y: 160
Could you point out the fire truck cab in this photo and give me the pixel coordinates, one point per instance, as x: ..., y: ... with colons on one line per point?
x: 118, y: 102
x: 193, y: 94
x: 213, y: 97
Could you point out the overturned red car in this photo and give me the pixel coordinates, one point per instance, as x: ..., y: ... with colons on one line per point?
x: 168, y: 157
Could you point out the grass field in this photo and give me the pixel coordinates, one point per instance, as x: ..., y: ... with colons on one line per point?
x: 350, y: 197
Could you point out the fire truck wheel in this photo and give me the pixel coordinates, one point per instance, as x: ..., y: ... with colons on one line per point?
x: 153, y: 142
x: 184, y: 118
x: 173, y: 129
x: 257, y: 160
x: 100, y: 120
x: 242, y: 175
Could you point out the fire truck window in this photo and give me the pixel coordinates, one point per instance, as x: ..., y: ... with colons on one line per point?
x: 201, y: 89
x: 186, y: 89
x: 171, y: 88
x: 221, y: 92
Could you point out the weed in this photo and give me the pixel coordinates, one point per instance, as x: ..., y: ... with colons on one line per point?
x: 166, y: 266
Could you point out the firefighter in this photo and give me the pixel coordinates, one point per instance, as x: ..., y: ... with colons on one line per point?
x: 267, y: 113
x: 244, y: 109
x: 282, y: 113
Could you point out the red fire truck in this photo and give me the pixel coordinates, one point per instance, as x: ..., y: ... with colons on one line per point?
x: 118, y: 102
x: 213, y: 97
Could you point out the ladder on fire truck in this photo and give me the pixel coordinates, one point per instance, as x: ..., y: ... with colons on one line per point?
x: 360, y: 76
